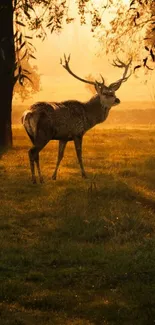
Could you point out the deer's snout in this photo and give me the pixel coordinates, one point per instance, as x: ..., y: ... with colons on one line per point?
x: 117, y: 101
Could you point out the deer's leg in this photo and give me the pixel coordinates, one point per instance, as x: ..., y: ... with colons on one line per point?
x: 62, y: 146
x: 30, y: 152
x: 34, y: 158
x: 78, y: 148
x: 38, y: 168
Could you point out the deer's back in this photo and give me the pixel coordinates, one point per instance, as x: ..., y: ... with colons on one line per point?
x: 65, y: 119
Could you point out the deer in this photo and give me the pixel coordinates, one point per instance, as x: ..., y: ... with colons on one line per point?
x: 69, y: 120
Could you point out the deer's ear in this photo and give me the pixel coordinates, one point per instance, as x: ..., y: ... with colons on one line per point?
x: 115, y: 86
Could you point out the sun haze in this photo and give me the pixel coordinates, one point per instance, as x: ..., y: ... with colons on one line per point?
x: 78, y: 40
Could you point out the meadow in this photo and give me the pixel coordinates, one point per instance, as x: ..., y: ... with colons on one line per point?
x: 75, y: 251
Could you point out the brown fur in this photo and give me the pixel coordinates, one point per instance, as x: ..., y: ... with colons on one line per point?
x: 64, y: 121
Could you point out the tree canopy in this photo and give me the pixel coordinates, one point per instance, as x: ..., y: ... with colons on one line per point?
x: 35, y: 17
x: 131, y: 30
x: 20, y: 21
x: 131, y: 27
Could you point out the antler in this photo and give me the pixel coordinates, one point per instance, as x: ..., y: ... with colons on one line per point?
x: 121, y: 64
x: 66, y: 66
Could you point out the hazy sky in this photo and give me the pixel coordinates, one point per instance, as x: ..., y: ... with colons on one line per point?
x: 56, y: 82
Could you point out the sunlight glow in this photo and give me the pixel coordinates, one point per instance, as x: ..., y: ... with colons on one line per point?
x: 99, y: 2
x: 126, y: 2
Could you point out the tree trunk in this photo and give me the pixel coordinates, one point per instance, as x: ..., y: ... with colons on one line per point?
x: 7, y: 61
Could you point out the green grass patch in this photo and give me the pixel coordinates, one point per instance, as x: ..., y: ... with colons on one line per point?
x: 74, y: 251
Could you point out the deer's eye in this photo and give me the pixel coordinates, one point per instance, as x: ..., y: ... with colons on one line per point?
x: 109, y: 95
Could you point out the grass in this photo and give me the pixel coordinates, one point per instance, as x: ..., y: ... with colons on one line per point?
x: 74, y: 251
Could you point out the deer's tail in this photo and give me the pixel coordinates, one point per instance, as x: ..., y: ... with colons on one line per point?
x: 36, y: 125
x: 29, y: 122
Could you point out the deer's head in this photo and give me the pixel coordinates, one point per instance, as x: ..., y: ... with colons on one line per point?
x: 106, y: 93
x: 107, y: 96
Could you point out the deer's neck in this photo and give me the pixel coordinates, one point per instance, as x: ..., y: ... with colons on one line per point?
x: 96, y: 113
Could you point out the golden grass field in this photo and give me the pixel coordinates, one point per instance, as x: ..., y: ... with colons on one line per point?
x: 74, y: 251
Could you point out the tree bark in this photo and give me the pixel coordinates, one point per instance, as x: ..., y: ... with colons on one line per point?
x: 7, y: 62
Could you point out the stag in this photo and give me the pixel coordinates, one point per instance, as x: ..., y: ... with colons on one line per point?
x: 69, y: 120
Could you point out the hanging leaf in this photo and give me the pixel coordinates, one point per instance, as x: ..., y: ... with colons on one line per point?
x: 132, y: 2
x: 25, y: 70
x: 49, y: 24
x: 14, y: 5
x: 32, y: 56
x: 148, y: 67
x: 152, y: 55
x: 24, y: 55
x: 137, y: 67
x: 138, y: 15
x: 27, y: 14
x: 21, y: 80
x: 20, y: 38
x: 52, y: 29
x: 145, y: 60
x: 26, y: 77
x: 29, y: 37
x: 22, y: 77
x: 22, y: 45
x: 30, y: 7
x: 16, y: 33
x: 32, y: 45
x: 135, y: 21
x: 19, y: 69
x: 20, y: 23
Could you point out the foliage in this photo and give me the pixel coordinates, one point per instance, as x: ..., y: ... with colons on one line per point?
x: 132, y: 31
x: 30, y: 87
x: 130, y: 26
x: 37, y: 16
x: 21, y: 20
